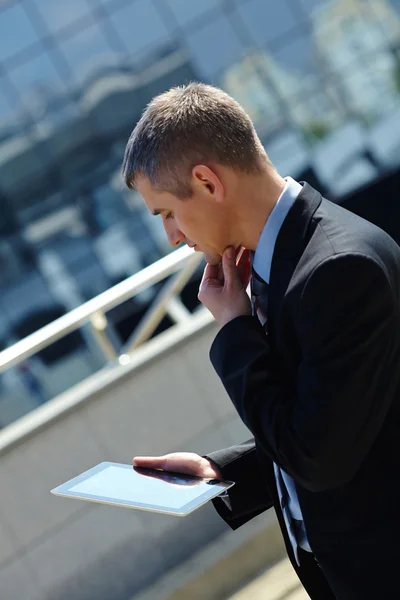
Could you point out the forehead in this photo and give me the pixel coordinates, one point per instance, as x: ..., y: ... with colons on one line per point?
x: 153, y: 197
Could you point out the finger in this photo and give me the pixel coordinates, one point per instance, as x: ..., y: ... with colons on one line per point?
x: 231, y: 275
x: 211, y: 273
x: 206, y: 276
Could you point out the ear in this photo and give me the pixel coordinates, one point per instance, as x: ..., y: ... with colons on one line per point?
x: 207, y: 181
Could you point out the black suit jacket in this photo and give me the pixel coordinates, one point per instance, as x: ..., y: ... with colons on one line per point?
x: 321, y: 395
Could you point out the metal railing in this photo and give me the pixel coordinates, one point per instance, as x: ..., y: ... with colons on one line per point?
x: 184, y: 261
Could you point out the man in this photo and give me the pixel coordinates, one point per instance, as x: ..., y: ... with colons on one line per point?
x: 313, y: 368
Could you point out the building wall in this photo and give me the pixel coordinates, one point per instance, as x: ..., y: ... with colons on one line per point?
x: 320, y: 79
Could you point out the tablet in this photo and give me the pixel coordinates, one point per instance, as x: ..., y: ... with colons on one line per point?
x: 141, y: 488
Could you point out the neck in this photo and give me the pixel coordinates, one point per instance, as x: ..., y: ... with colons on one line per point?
x: 262, y: 192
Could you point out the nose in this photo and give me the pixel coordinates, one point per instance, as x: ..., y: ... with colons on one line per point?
x: 175, y: 236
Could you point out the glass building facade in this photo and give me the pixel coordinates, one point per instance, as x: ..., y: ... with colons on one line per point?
x: 320, y: 79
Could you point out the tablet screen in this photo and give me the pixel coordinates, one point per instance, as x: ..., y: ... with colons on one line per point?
x: 149, y: 489
x: 127, y: 484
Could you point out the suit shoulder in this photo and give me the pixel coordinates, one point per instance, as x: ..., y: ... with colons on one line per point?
x: 347, y: 232
x: 336, y: 231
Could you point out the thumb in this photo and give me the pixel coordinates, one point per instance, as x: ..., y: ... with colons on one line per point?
x: 229, y: 266
x: 150, y: 462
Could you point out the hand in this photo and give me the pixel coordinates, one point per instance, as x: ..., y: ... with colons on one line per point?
x: 223, y: 287
x: 180, y: 462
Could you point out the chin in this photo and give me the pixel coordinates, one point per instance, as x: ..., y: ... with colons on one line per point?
x: 212, y: 259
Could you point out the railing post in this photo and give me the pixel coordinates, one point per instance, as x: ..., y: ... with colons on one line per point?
x: 99, y: 324
x: 161, y: 305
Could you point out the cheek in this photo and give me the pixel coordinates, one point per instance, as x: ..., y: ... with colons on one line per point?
x: 188, y: 223
x: 202, y: 227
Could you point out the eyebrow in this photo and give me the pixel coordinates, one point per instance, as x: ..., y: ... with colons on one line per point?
x: 157, y: 211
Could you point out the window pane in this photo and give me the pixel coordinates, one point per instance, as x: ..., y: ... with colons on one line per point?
x: 185, y: 11
x: 250, y: 82
x: 31, y: 286
x: 395, y: 4
x: 288, y: 152
x: 140, y: 27
x: 37, y: 81
x: 295, y: 59
x: 60, y: 14
x: 6, y: 111
x: 376, y: 79
x: 16, y: 31
x: 206, y: 49
x: 88, y: 51
x: 316, y: 114
x: 264, y: 23
x: 310, y: 5
x: 344, y: 38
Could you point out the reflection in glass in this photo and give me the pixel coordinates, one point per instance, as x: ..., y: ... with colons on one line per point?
x: 297, y: 57
x: 253, y: 82
x: 37, y: 81
x: 177, y: 479
x: 11, y: 265
x: 6, y: 110
x: 60, y: 14
x: 377, y: 80
x: 16, y: 31
x: 109, y: 207
x: 356, y: 48
x: 186, y: 12
x: 140, y: 27
x: 310, y: 5
x: 92, y: 279
x: 318, y: 114
x: 87, y: 52
x: 266, y: 24
x: 343, y: 37
x: 210, y: 56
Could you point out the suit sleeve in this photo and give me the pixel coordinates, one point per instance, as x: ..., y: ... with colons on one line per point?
x: 250, y: 495
x: 320, y: 427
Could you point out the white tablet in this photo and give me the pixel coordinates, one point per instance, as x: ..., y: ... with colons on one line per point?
x: 143, y: 489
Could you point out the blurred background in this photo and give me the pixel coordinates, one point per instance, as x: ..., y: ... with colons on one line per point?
x: 321, y: 81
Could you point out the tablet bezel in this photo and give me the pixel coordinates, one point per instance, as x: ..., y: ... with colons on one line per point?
x: 64, y: 490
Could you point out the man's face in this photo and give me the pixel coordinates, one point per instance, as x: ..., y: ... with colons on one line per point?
x: 199, y: 221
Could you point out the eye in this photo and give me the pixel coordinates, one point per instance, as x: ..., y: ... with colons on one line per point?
x: 169, y: 215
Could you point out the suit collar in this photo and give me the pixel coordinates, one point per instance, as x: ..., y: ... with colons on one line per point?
x: 265, y: 248
x: 290, y: 245
x: 293, y: 233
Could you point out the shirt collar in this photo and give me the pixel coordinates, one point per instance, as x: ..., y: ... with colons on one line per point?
x: 266, y: 244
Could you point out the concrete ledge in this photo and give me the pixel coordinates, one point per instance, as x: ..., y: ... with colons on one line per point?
x: 224, y: 566
x: 279, y: 582
x: 56, y: 408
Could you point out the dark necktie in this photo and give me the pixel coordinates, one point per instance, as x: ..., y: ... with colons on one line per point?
x: 259, y: 297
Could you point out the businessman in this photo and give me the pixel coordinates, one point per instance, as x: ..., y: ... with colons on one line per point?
x: 311, y: 362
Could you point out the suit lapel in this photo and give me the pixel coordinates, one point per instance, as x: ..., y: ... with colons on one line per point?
x: 289, y: 247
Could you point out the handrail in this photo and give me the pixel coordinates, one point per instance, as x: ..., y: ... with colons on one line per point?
x: 96, y: 306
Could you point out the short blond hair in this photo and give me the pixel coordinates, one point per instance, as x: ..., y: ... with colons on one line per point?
x: 189, y: 125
